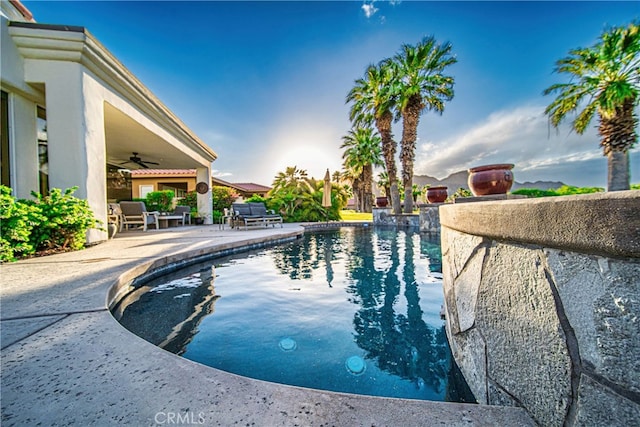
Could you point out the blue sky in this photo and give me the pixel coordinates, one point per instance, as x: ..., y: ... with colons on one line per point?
x: 264, y: 83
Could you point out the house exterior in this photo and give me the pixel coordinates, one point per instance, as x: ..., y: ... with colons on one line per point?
x: 182, y: 181
x: 71, y: 112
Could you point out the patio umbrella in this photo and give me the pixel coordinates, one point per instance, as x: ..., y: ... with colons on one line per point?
x: 326, y: 193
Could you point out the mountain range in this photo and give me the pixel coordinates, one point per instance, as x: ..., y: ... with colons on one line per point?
x: 459, y: 180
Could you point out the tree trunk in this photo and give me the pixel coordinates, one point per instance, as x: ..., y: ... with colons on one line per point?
x: 383, y: 123
x: 367, y: 184
x: 618, y: 171
x: 410, y: 120
x: 356, y: 184
x: 619, y: 134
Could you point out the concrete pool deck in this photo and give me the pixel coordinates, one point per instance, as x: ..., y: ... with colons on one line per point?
x: 67, y: 361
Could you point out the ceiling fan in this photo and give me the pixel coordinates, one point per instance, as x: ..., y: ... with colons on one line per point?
x: 137, y: 160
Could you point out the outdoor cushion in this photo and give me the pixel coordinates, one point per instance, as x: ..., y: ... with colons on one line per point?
x: 241, y: 209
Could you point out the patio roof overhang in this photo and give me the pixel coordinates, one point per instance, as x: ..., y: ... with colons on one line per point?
x: 147, y: 126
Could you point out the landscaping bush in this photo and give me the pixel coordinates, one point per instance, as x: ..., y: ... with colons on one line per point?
x: 17, y: 220
x: 161, y: 201
x: 66, y: 220
x: 460, y: 192
x: 565, y: 190
x: 534, y: 192
x: 191, y: 200
x: 52, y: 223
x: 222, y: 197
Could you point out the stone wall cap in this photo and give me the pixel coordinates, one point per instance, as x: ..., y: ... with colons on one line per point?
x: 599, y: 223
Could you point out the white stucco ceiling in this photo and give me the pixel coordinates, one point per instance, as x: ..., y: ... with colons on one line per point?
x: 124, y: 136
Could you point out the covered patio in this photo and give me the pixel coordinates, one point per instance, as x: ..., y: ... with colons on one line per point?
x: 92, y: 113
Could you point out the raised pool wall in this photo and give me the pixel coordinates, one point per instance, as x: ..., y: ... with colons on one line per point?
x: 542, y: 301
x: 428, y: 220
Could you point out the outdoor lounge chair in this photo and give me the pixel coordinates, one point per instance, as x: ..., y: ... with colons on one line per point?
x: 258, y: 209
x: 253, y: 214
x: 135, y: 213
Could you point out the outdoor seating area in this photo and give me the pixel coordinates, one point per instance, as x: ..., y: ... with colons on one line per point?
x: 127, y: 214
x: 253, y: 215
x: 135, y: 214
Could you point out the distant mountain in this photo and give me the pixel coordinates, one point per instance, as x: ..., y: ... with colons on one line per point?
x: 459, y: 180
x: 452, y: 182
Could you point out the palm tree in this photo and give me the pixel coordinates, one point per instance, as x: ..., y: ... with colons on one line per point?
x: 362, y: 152
x: 421, y: 86
x: 292, y: 178
x: 383, y: 183
x: 604, y: 79
x: 373, y: 102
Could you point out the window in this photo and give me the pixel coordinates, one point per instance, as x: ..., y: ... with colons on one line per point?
x: 144, y: 190
x: 43, y: 150
x: 5, y: 160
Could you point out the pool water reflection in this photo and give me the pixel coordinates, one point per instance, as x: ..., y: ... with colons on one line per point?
x: 353, y: 310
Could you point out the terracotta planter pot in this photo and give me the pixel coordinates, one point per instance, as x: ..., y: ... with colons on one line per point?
x: 436, y: 194
x: 382, y: 202
x: 491, y: 179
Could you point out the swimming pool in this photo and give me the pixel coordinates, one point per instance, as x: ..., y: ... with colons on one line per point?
x: 352, y: 310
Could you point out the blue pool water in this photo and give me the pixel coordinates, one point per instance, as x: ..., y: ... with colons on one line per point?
x: 354, y: 310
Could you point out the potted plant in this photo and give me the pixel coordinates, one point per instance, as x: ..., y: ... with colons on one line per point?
x: 437, y: 194
x: 491, y: 179
x: 382, y: 201
x: 197, y: 219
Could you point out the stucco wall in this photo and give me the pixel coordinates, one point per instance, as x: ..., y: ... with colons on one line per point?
x: 538, y: 318
x: 137, y: 182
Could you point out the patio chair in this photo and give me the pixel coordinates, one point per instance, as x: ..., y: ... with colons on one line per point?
x: 269, y: 217
x: 242, y: 216
x: 115, y: 215
x: 185, y: 212
x: 135, y: 213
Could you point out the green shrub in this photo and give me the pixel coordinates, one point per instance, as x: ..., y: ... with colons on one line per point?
x: 460, y: 192
x: 66, y: 220
x: 534, y: 192
x: 565, y: 190
x: 17, y: 220
x: 58, y: 221
x: 161, y: 201
x: 191, y: 200
x: 222, y: 197
x: 635, y: 186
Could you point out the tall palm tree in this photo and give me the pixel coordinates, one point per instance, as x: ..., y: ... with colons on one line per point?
x: 362, y: 153
x: 605, y: 78
x: 421, y: 85
x: 373, y: 103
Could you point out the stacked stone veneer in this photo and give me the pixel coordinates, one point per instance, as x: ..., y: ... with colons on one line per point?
x: 428, y: 220
x: 543, y: 304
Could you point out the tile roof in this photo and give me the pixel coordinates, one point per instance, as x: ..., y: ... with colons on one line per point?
x: 168, y: 172
x: 250, y: 186
x: 246, y: 187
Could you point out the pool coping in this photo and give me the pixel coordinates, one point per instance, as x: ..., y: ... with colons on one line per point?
x: 66, y: 360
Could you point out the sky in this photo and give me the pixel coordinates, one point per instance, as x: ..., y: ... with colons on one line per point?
x: 264, y: 83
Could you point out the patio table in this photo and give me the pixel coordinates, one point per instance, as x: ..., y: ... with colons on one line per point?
x: 167, y: 221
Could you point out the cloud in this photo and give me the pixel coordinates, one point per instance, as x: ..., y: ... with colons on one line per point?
x: 522, y: 136
x: 220, y: 174
x: 369, y: 9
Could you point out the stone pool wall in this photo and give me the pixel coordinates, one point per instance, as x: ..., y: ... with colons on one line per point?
x: 427, y: 220
x: 543, y: 304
